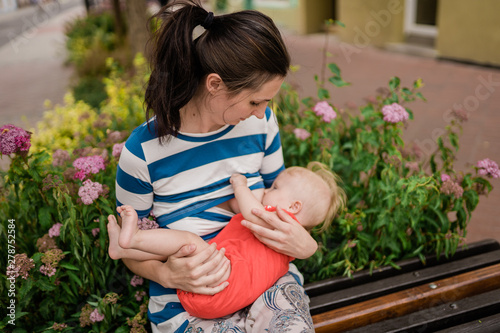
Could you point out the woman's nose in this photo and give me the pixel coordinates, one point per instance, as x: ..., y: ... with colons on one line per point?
x: 259, y: 113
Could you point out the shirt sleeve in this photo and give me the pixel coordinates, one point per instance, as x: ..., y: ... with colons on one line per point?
x: 272, y: 163
x: 133, y: 182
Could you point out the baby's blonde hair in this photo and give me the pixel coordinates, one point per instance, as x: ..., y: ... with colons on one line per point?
x: 337, y: 194
x: 336, y: 199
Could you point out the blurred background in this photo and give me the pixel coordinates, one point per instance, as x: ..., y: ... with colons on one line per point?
x: 452, y: 45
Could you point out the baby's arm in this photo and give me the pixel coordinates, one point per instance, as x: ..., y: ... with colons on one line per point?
x: 247, y: 199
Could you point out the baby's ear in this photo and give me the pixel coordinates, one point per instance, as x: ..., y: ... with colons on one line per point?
x: 295, y: 207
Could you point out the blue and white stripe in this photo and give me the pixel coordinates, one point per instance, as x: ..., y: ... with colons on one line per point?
x: 183, y: 180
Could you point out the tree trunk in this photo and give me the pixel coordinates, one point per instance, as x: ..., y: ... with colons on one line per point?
x: 138, y: 33
x: 120, y: 25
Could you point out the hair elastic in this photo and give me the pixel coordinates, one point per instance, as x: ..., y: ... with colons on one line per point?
x: 207, y: 23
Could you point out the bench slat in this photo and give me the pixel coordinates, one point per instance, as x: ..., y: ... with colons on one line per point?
x: 467, y: 311
x: 489, y: 324
x: 408, y: 265
x: 341, y: 298
x: 409, y: 300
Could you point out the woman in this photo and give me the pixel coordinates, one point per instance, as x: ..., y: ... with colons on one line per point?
x: 203, y: 94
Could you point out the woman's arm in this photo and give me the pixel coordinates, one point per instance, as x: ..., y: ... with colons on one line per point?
x: 288, y: 236
x: 181, y: 271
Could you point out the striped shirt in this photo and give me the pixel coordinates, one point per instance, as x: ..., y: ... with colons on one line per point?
x: 182, y: 181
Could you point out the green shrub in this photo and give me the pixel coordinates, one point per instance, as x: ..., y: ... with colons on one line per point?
x: 401, y: 204
x: 55, y: 219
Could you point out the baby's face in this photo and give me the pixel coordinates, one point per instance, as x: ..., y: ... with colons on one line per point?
x: 282, y: 192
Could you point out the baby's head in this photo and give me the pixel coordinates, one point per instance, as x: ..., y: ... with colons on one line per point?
x: 311, y: 194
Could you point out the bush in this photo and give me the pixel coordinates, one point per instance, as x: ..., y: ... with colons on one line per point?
x: 401, y: 204
x: 57, y: 194
x: 91, y: 40
x: 55, y: 202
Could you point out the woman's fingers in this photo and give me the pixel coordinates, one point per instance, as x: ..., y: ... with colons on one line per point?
x: 288, y: 236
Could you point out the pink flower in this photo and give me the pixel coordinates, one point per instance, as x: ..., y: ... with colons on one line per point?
x: 60, y: 157
x: 95, y: 231
x: 301, y: 133
x: 412, y: 166
x: 139, y: 295
x: 488, y: 168
x: 47, y: 270
x: 394, y: 113
x: 117, y: 149
x: 445, y: 177
x: 20, y: 266
x: 14, y: 139
x: 146, y: 224
x: 136, y: 281
x: 449, y: 187
x: 90, y: 191
x: 95, y: 316
x: 55, y: 230
x: 323, y: 109
x: 87, y: 165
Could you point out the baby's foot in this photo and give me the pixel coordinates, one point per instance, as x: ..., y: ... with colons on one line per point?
x: 115, y: 250
x: 129, y: 226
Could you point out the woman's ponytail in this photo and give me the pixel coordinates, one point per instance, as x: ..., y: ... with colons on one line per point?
x: 176, y: 71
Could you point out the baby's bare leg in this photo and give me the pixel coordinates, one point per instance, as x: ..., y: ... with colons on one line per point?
x: 129, y: 226
x: 117, y: 252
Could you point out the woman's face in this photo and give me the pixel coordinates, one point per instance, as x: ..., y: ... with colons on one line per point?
x: 232, y: 110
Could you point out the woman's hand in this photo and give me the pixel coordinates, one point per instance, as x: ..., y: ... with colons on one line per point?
x: 201, y: 274
x: 288, y: 236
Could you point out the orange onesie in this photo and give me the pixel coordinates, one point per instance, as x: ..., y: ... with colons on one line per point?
x: 254, y: 269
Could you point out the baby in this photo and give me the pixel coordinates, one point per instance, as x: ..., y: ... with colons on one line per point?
x: 310, y: 195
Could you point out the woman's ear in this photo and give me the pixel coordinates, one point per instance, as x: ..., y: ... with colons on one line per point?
x: 295, y: 207
x: 214, y: 83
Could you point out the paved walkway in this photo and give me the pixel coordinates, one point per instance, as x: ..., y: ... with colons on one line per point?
x: 32, y: 70
x: 32, y: 62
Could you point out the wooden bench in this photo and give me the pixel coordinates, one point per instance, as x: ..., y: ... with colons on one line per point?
x: 459, y: 294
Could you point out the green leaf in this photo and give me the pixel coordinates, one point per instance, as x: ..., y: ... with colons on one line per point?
x: 338, y: 81
x: 394, y: 83
x: 45, y: 285
x: 74, y: 278
x: 69, y: 266
x: 453, y: 140
x: 419, y: 95
x: 323, y: 94
x: 334, y: 69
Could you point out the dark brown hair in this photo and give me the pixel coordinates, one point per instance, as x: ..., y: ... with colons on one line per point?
x: 244, y: 48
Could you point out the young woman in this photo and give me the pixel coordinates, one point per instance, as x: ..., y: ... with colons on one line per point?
x: 208, y: 97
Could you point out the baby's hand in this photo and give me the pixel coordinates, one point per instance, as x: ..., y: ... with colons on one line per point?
x: 238, y: 180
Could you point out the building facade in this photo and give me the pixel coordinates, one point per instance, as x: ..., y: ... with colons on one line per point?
x: 464, y: 30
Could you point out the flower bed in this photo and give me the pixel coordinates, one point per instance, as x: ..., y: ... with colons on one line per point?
x: 60, y: 188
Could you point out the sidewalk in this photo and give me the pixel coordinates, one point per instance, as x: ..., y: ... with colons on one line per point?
x: 36, y: 72
x: 32, y: 65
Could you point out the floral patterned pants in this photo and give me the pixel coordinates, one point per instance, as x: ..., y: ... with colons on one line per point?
x: 282, y: 308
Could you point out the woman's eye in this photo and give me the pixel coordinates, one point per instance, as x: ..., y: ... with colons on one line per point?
x: 255, y: 103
